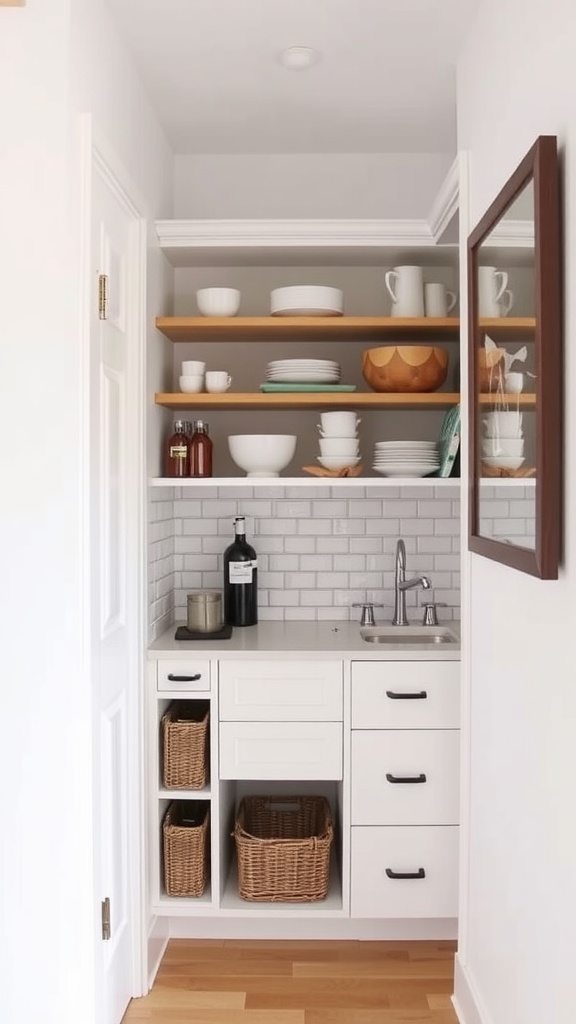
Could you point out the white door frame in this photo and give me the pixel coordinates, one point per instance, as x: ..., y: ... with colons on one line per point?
x: 97, y: 157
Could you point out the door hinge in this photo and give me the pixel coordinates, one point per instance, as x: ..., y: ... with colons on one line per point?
x: 106, y: 932
x: 102, y: 296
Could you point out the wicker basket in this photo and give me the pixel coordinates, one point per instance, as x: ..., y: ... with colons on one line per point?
x: 185, y: 746
x: 283, y: 848
x: 185, y: 834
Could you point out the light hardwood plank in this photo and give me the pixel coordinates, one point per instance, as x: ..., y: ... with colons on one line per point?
x: 291, y: 982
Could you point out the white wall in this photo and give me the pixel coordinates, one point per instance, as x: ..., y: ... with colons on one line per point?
x: 394, y: 185
x: 517, y: 80
x: 48, y: 924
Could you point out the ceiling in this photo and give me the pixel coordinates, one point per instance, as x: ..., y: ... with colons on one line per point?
x: 383, y: 80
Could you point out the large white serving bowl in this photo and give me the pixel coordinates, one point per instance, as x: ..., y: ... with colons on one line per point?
x: 306, y: 300
x: 262, y: 454
x: 218, y: 301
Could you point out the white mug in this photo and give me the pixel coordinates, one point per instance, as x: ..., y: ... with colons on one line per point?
x: 492, y: 284
x: 438, y: 300
x: 217, y: 381
x: 513, y: 382
x: 406, y: 287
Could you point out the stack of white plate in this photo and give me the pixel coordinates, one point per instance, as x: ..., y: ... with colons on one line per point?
x: 303, y: 371
x: 406, y: 458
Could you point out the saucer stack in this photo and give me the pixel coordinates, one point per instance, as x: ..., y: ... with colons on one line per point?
x: 303, y: 371
x: 406, y: 458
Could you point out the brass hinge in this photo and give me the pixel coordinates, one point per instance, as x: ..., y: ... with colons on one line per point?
x: 102, y: 296
x: 106, y: 932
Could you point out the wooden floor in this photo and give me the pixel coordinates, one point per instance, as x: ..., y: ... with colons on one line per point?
x: 320, y: 982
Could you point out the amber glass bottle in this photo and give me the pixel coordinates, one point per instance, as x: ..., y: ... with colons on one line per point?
x: 200, y: 451
x: 177, y: 452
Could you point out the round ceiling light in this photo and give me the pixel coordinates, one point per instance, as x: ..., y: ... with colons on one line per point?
x: 298, y: 58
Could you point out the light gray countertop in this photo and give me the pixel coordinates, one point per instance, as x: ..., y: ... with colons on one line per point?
x: 294, y: 639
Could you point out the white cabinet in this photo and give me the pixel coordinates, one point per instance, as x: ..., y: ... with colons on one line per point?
x: 378, y: 739
x: 404, y: 789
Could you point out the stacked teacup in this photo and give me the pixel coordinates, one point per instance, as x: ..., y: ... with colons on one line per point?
x: 339, y: 444
x: 192, y: 376
x: 503, y: 440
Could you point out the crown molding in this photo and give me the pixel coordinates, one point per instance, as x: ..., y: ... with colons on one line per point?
x: 445, y: 206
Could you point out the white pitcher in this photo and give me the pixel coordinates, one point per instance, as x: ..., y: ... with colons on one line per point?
x: 406, y: 288
x: 492, y: 284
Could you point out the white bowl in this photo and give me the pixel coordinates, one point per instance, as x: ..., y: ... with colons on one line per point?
x: 339, y: 446
x: 337, y: 461
x: 191, y: 384
x: 338, y: 424
x: 510, y: 447
x: 218, y: 301
x: 262, y: 454
x: 306, y: 300
x: 502, y: 462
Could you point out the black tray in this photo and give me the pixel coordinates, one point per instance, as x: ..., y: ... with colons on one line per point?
x: 183, y: 633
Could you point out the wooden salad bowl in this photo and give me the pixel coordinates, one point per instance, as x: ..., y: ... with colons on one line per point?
x: 405, y: 368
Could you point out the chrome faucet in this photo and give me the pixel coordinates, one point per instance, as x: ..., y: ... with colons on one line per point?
x: 401, y: 585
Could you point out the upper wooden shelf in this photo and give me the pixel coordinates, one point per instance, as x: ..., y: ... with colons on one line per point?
x: 309, y: 400
x: 320, y: 328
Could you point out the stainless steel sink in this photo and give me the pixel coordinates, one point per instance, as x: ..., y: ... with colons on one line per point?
x: 408, y: 636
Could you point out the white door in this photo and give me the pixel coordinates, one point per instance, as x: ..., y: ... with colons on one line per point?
x: 115, y: 447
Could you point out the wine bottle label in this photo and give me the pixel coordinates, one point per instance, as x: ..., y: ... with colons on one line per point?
x: 241, y: 572
x: 178, y: 451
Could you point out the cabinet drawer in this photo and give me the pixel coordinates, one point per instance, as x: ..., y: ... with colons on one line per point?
x: 280, y: 750
x: 430, y: 853
x: 184, y: 675
x: 385, y: 767
x: 293, y: 691
x: 406, y: 695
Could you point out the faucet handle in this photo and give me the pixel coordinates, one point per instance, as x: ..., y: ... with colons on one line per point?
x: 367, y: 616
x: 430, y: 616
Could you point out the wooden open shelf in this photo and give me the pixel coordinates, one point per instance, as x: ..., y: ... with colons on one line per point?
x: 522, y: 401
x: 510, y: 328
x: 309, y: 400
x: 317, y: 328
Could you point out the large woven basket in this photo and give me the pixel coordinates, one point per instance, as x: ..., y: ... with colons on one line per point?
x: 283, y: 848
x: 184, y: 745
x: 185, y: 835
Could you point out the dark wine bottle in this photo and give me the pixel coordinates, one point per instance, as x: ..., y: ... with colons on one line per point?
x: 240, y: 579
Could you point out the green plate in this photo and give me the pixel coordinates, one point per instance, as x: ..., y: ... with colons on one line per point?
x: 308, y: 387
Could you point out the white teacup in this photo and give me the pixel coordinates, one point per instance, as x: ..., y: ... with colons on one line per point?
x: 191, y: 383
x: 191, y: 368
x: 339, y: 446
x: 503, y: 424
x: 338, y: 424
x: 217, y: 381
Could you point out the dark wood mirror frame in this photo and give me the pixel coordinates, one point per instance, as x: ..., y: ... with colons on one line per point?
x: 539, y: 168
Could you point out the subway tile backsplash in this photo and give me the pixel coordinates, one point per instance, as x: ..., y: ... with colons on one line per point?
x: 319, y: 551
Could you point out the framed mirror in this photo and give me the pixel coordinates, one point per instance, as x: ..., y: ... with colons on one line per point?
x: 515, y: 383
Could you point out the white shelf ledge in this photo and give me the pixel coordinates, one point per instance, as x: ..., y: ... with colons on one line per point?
x: 306, y: 481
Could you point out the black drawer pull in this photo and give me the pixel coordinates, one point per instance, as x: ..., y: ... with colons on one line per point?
x: 406, y: 874
x: 406, y: 778
x: 184, y: 679
x: 421, y: 695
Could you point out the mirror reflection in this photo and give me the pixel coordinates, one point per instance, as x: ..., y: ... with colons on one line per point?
x: 506, y: 425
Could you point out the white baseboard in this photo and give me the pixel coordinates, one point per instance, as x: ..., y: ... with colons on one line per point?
x: 465, y: 1000
x: 157, y: 941
x: 266, y: 928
